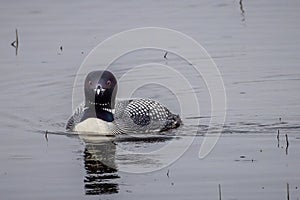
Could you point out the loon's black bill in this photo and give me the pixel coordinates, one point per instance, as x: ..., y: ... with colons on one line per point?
x: 99, y: 90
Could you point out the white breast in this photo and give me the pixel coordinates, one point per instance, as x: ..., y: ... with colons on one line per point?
x: 95, y: 125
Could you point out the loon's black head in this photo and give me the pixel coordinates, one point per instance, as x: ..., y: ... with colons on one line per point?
x: 100, y: 89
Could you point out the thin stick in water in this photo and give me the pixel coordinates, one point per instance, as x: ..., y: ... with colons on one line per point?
x: 46, y: 135
x: 287, y: 144
x: 165, y: 56
x: 242, y: 11
x: 287, y: 191
x: 220, y: 193
x: 16, y: 42
x: 241, y: 7
x: 278, y: 138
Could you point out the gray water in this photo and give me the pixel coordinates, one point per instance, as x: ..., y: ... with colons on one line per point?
x: 256, y: 48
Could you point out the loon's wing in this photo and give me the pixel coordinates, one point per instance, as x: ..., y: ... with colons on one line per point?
x: 76, y: 117
x: 144, y: 115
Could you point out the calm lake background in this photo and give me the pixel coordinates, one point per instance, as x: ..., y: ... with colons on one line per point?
x: 255, y: 45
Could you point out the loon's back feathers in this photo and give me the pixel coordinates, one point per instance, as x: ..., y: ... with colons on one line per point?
x: 144, y: 115
x: 133, y: 116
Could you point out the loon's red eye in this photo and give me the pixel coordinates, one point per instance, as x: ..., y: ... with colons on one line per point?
x: 108, y: 83
x: 90, y: 83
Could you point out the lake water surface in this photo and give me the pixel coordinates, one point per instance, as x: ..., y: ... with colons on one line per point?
x: 255, y: 45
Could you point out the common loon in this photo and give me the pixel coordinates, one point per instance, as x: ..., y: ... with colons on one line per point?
x: 103, y: 114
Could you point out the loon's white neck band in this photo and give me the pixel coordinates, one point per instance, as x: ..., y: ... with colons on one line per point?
x: 98, y: 104
x: 102, y: 107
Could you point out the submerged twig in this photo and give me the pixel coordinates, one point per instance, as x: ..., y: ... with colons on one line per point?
x: 220, y: 193
x: 287, y: 191
x: 242, y: 10
x: 242, y: 7
x: 287, y: 144
x: 16, y: 42
x: 46, y: 135
x: 278, y: 138
x: 165, y: 56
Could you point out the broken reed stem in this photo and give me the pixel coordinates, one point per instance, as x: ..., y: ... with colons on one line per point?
x: 220, y: 193
x: 287, y: 140
x: 46, y: 135
x: 165, y: 56
x: 287, y: 144
x: 16, y: 42
x: 17, y: 39
x: 278, y: 138
x: 241, y: 7
x: 287, y: 191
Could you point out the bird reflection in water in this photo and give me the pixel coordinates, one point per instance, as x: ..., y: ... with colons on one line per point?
x: 101, y: 169
x: 100, y: 160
